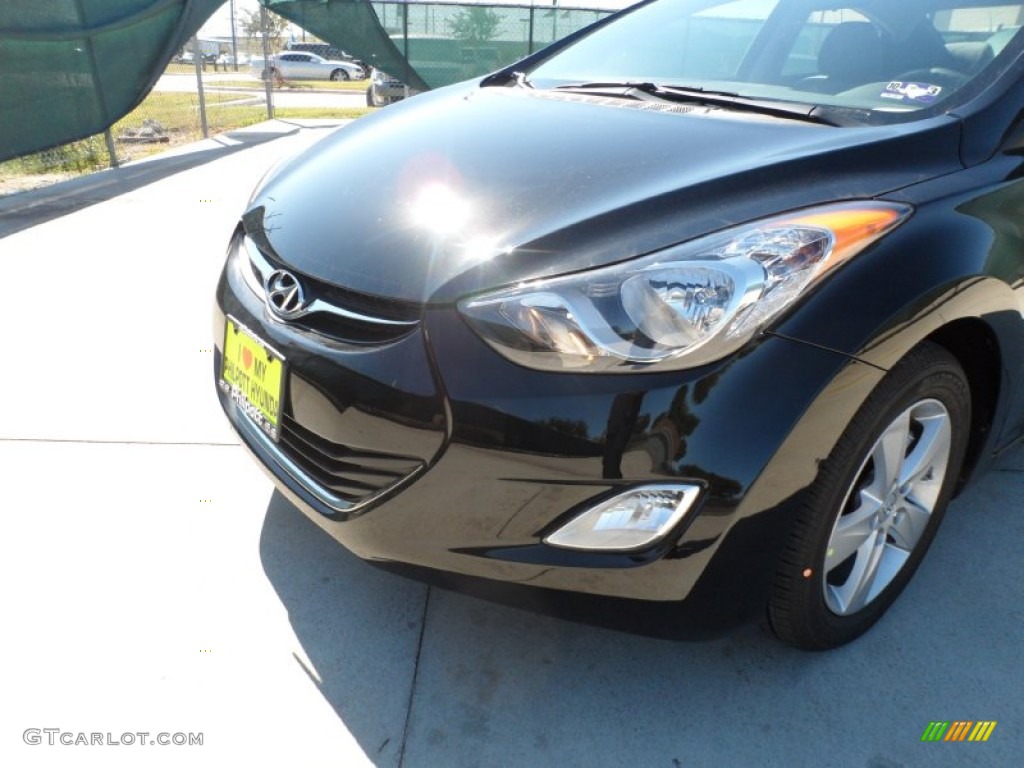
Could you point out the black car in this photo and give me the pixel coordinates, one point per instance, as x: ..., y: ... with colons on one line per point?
x: 700, y: 315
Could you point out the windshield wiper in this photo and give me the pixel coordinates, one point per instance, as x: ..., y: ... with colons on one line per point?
x: 646, y: 87
x: 507, y: 77
x: 791, y: 110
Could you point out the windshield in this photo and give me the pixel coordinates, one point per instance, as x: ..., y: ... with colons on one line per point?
x: 903, y: 57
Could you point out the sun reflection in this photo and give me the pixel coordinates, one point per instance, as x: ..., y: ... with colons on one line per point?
x: 439, y: 209
x: 482, y: 248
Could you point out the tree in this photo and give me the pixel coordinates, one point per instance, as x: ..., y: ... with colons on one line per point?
x: 252, y: 27
x: 475, y: 24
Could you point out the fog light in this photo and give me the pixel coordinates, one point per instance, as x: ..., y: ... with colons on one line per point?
x: 631, y: 520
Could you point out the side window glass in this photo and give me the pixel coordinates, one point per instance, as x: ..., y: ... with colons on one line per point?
x: 965, y: 30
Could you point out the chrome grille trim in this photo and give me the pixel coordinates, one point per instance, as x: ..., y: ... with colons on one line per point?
x: 261, y: 269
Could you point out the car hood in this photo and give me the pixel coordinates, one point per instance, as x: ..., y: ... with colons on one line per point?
x: 465, y: 189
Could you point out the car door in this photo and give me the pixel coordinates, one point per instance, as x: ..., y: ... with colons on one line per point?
x: 298, y: 65
x: 294, y: 65
x: 311, y: 67
x: 285, y: 64
x: 1000, y: 207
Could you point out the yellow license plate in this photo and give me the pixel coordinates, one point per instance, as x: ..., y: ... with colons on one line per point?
x: 253, y: 375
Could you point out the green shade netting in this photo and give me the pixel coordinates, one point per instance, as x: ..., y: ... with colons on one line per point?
x: 71, y: 68
x: 428, y: 45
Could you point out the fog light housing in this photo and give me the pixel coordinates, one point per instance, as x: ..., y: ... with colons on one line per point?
x: 628, y: 521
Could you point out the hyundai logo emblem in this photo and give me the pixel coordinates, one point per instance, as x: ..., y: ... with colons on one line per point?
x: 284, y: 294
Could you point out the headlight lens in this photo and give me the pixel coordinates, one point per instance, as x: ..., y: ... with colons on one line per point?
x: 681, y: 307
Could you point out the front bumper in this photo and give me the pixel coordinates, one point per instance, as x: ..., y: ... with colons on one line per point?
x: 389, y: 92
x: 505, y: 452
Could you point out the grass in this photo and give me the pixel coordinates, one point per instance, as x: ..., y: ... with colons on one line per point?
x: 175, y: 68
x: 310, y: 113
x: 230, y: 118
x: 320, y: 85
x: 180, y: 69
x: 246, y: 80
x: 178, y: 117
x: 174, y: 111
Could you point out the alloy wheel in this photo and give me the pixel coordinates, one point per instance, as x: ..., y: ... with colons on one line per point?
x: 888, y: 507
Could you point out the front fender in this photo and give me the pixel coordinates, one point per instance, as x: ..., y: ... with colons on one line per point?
x: 957, y: 259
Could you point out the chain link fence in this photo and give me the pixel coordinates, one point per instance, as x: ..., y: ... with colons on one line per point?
x: 201, y: 93
x: 445, y: 43
x: 433, y: 44
x: 209, y: 87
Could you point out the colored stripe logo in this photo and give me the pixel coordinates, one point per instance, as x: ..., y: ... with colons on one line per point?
x: 959, y: 730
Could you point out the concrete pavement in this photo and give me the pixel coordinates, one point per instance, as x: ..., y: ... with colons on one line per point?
x: 154, y: 582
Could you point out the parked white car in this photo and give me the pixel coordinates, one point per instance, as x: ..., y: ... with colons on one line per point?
x: 228, y: 60
x: 299, y: 65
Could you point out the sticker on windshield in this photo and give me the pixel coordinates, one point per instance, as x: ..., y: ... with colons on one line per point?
x: 922, y: 93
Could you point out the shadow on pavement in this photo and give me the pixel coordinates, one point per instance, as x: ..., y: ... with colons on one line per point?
x: 491, y: 685
x: 359, y: 627
x: 27, y: 209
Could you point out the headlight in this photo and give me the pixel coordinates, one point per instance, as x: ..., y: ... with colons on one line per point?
x: 685, y: 306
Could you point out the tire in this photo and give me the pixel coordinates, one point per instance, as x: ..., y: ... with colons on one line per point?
x: 369, y: 97
x: 867, y: 520
x: 339, y: 74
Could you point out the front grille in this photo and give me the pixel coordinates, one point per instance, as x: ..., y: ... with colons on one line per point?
x: 335, y: 312
x: 351, y: 475
x: 357, y: 318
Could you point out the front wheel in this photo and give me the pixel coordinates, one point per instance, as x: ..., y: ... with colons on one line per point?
x: 871, y: 514
x: 339, y: 74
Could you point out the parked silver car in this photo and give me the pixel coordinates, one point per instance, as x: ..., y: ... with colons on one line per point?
x: 299, y: 65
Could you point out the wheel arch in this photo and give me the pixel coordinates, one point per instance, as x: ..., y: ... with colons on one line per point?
x: 976, y: 347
